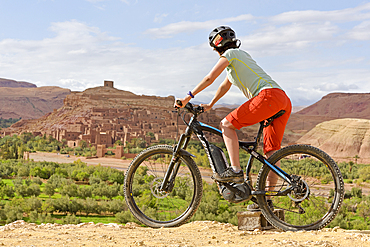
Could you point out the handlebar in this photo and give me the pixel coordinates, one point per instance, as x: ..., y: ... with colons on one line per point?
x: 191, y: 108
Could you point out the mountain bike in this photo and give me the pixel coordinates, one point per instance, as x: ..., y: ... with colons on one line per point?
x: 163, y: 185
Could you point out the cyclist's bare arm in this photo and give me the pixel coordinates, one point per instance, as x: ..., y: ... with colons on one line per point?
x: 221, y: 91
x: 207, y: 80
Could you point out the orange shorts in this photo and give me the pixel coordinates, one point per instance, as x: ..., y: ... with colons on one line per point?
x: 266, y: 104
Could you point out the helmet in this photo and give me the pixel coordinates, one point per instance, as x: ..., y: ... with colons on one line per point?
x: 221, y: 35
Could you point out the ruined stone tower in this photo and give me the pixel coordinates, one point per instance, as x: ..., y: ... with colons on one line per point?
x: 108, y: 84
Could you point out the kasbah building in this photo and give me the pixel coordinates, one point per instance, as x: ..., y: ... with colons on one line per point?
x: 103, y: 115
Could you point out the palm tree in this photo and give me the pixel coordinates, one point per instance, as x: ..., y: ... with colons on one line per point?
x: 356, y: 157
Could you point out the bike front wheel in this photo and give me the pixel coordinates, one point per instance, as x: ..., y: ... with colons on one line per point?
x: 148, y: 203
x: 316, y: 200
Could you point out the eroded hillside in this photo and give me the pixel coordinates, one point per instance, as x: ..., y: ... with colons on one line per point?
x: 30, y: 102
x: 341, y: 138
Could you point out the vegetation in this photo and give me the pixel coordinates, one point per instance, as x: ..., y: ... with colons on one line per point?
x: 5, y: 123
x: 72, y: 193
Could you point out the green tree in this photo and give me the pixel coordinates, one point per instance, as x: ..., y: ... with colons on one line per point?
x: 49, y: 189
x: 363, y: 210
x: 83, y: 144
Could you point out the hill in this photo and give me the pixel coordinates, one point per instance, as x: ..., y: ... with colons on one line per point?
x: 341, y: 105
x: 13, y: 83
x: 104, y: 115
x: 341, y: 138
x: 30, y: 102
x: 330, y: 107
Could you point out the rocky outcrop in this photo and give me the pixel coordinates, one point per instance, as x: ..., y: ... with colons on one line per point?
x: 341, y: 138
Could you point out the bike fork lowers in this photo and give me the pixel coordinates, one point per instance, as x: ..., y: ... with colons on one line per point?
x: 169, y: 178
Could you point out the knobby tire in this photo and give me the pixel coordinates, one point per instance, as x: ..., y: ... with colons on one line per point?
x: 320, y: 203
x: 151, y: 206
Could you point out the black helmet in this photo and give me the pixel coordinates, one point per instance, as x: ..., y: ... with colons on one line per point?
x: 221, y: 35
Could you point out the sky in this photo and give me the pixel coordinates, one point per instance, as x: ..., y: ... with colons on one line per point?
x: 311, y: 48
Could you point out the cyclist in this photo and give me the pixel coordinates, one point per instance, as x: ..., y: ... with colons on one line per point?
x: 265, y: 98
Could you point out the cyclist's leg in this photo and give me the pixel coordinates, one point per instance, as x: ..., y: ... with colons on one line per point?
x: 231, y: 141
x: 251, y: 112
x: 273, y: 134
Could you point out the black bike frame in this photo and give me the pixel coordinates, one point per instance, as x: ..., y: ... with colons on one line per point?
x: 194, y: 126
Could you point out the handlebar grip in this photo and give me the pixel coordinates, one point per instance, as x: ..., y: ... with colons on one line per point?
x: 178, y: 102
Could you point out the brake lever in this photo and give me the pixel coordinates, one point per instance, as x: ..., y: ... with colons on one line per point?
x: 200, y: 109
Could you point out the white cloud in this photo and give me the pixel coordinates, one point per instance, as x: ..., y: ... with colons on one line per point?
x: 80, y: 56
x: 361, y: 12
x: 159, y: 17
x: 273, y: 40
x: 301, y: 52
x: 188, y: 26
x: 360, y: 32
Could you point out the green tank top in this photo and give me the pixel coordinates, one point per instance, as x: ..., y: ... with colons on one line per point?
x: 244, y: 73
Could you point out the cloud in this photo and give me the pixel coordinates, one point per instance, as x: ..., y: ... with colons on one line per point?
x: 304, y: 54
x: 188, y: 26
x: 159, y: 17
x: 360, y: 32
x: 80, y: 56
x: 273, y: 39
x: 359, y: 13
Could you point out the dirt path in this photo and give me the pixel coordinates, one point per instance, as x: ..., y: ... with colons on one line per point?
x: 201, y: 233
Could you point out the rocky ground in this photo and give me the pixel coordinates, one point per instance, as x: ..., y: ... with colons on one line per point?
x: 204, y: 233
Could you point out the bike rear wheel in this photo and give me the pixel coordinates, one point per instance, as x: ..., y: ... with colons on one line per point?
x: 153, y: 207
x: 317, y: 200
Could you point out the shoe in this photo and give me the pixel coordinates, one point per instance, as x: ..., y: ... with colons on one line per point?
x: 229, y: 175
x: 255, y: 207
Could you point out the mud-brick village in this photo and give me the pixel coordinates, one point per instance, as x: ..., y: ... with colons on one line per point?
x: 103, y: 115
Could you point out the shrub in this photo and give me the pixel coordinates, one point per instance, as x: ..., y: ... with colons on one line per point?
x: 71, y: 219
x: 13, y: 213
x: 116, y: 206
x: 23, y: 171
x: 356, y: 192
x: 61, y: 204
x: 117, y: 177
x: 93, y: 179
x: 91, y: 206
x: 33, y: 190
x: 33, y: 216
x: 37, y: 171
x: 84, y: 192
x: 58, y: 180
x: 37, y: 180
x: 49, y: 189
x: 47, y: 206
x: 69, y: 190
x: 6, y: 190
x: 32, y: 204
x: 126, y: 216
x: 74, y: 206
x: 45, y: 218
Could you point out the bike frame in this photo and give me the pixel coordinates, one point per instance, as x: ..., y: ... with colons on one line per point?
x: 194, y: 126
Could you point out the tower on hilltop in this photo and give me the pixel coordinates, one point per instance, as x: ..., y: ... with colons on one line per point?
x: 108, y: 84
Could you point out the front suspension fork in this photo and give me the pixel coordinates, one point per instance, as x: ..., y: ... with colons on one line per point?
x: 169, y: 178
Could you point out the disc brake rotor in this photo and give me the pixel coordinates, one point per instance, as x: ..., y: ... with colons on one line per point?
x: 301, y: 193
x: 155, y: 188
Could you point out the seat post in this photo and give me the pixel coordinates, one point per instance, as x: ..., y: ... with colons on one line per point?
x: 259, y: 134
